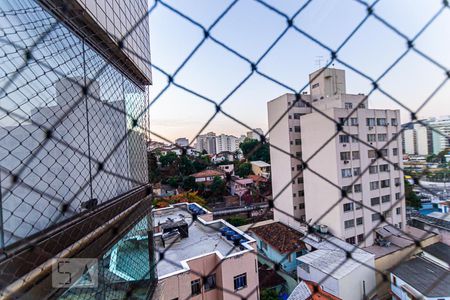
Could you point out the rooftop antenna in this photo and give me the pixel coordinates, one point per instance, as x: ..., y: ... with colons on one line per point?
x: 318, y: 61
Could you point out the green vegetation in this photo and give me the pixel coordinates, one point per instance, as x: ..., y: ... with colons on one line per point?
x: 410, y: 196
x: 255, y: 150
x: 244, y: 169
x: 269, y: 294
x: 237, y: 220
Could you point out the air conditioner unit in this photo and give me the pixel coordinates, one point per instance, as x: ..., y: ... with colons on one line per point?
x: 346, y: 161
x: 374, y: 159
x: 370, y: 127
x: 344, y: 145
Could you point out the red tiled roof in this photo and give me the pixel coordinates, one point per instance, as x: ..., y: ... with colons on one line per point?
x: 281, y: 237
x: 318, y: 293
x: 257, y: 178
x: 207, y: 173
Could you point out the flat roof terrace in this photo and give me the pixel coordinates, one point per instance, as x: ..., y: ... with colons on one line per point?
x: 204, y: 238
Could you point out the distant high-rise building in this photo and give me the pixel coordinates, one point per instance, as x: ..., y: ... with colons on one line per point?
x: 441, y: 133
x: 206, y: 142
x: 255, y: 134
x: 182, y: 142
x: 310, y: 135
x: 228, y: 143
x: 417, y: 138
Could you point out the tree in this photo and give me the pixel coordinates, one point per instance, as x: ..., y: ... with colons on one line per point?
x: 255, y: 150
x: 201, y: 163
x: 153, y: 171
x: 186, y: 166
x: 244, y: 169
x: 168, y: 159
x: 410, y: 196
x: 217, y: 187
x: 173, y: 181
x: 269, y: 294
x: 189, y: 183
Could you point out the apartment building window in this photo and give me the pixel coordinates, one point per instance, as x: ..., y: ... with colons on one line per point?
x: 400, y: 225
x: 301, y: 193
x: 348, y: 207
x: 292, y: 142
x: 344, y: 139
x: 357, y: 188
x: 385, y: 183
x: 345, y: 155
x: 292, y: 168
x: 397, y: 181
x: 299, y: 179
x: 294, y: 195
x: 348, y: 105
x: 356, y: 171
x: 374, y: 185
x: 350, y: 240
x: 240, y: 281
x: 195, y: 287
x: 382, y: 137
x: 349, y: 224
x: 298, y: 154
x: 297, y: 128
x: 376, y: 217
x: 387, y: 214
x: 355, y: 138
x: 358, y: 205
x: 370, y: 121
x: 290, y: 129
x: 298, y: 142
x: 384, y: 152
x: 210, y: 282
x: 346, y: 173
x: 373, y: 169
x: 397, y: 196
x: 297, y: 116
x: 299, y: 167
x: 343, y: 121
x: 290, y: 117
x: 359, y: 221
x: 347, y: 189
x: 295, y: 207
x: 395, y: 151
x: 381, y: 121
x: 371, y: 153
x: 394, y: 122
x: 371, y: 137
x: 384, y: 168
x: 301, y: 205
x: 396, y: 167
x: 385, y: 198
x: 374, y: 201
x: 398, y: 210
x: 360, y: 238
x: 354, y: 121
x: 361, y: 105
x: 355, y: 155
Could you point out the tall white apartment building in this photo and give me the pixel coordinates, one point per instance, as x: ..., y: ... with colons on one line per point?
x: 255, y: 134
x: 335, y: 160
x: 226, y: 142
x: 206, y: 142
x: 441, y: 133
x: 417, y: 139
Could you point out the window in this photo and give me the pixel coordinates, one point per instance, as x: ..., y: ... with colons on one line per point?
x: 382, y: 137
x: 210, y: 282
x: 359, y: 221
x: 295, y: 207
x: 384, y: 152
x: 381, y: 122
x: 385, y: 198
x: 376, y: 217
x: 360, y: 238
x: 347, y: 189
x: 358, y: 205
x: 373, y: 170
x: 303, y: 266
x: 357, y: 188
x: 356, y: 171
x: 384, y: 168
x: 350, y: 240
x: 343, y: 121
x: 397, y: 196
x: 396, y: 167
x: 299, y: 167
x: 346, y: 173
x: 290, y: 117
x: 387, y: 214
x: 397, y: 181
x: 297, y: 116
x: 394, y: 122
x: 344, y: 139
x: 263, y: 245
x: 298, y: 142
x: 355, y: 138
x: 394, y: 280
x: 354, y: 121
x: 240, y: 281
x: 345, y: 155
x: 292, y: 143
x: 400, y: 225
x: 398, y: 210
x: 385, y: 183
x: 315, y: 85
x: 374, y: 201
x: 294, y: 195
x: 348, y: 105
x: 301, y: 206
x: 372, y: 153
x: 361, y: 105
x: 297, y: 128
x: 374, y: 185
x: 348, y: 207
x: 349, y: 224
x: 301, y: 193
x: 370, y: 121
x: 195, y: 287
x: 395, y: 151
x: 355, y: 155
x: 290, y: 129
x: 371, y: 137
x: 299, y: 179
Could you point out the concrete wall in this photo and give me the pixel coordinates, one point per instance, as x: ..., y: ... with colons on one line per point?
x: 328, y: 283
x: 396, y: 289
x: 351, y: 286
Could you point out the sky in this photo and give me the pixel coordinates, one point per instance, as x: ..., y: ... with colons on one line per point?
x: 250, y: 28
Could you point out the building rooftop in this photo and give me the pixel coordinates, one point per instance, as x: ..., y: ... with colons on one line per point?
x: 260, y: 163
x: 257, y: 178
x: 204, y: 238
x: 399, y: 239
x: 281, y: 237
x: 331, y: 255
x: 439, y: 250
x: 268, y: 277
x: 307, y: 290
x: 207, y: 173
x: 426, y: 277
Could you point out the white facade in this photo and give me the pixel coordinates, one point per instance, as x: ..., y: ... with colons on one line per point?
x: 228, y: 143
x: 417, y: 139
x: 441, y: 133
x: 255, y: 134
x: 206, y: 142
x: 182, y: 142
x: 338, y: 163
